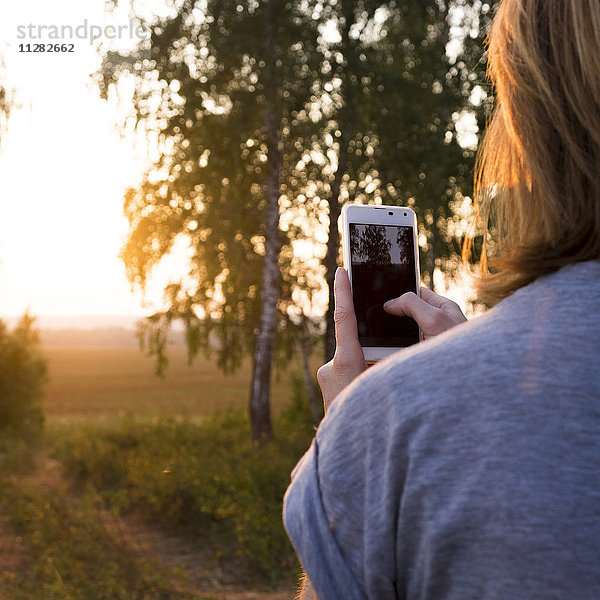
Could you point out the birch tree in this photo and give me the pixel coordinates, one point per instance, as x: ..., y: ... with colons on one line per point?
x: 396, y: 92
x: 225, y: 89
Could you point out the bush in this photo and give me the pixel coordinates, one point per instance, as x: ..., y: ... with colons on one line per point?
x: 207, y: 478
x: 298, y: 412
x: 22, y: 376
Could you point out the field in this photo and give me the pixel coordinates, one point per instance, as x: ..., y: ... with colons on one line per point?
x: 100, y: 383
x: 148, y: 488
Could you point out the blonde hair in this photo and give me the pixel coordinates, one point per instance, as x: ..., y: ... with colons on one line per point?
x: 537, y: 182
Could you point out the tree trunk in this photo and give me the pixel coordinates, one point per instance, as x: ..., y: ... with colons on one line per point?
x: 260, y: 408
x: 308, y: 381
x: 431, y: 257
x: 259, y: 402
x: 330, y: 262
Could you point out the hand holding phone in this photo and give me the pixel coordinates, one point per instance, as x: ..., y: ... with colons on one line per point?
x: 435, y: 314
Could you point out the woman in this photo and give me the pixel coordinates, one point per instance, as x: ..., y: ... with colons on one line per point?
x: 468, y: 466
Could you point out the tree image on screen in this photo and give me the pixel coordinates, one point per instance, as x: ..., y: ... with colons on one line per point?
x: 372, y: 246
x: 404, y: 241
x: 382, y: 268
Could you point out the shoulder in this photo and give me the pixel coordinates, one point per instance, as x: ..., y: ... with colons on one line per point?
x: 538, y: 342
x: 559, y: 307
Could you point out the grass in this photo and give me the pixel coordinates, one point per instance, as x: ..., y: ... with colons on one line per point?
x: 71, y: 555
x: 101, y: 383
x: 207, y: 479
x: 176, y: 453
x: 54, y: 544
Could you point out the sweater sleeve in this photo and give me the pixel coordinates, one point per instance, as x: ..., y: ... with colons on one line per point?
x: 307, y: 525
x: 341, y: 508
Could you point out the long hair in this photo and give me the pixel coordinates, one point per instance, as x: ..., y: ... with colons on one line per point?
x: 537, y: 182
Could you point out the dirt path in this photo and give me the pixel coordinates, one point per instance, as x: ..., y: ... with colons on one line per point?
x: 202, y: 575
x: 174, y: 553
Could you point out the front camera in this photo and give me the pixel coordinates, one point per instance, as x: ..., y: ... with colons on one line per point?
x: 390, y: 213
x: 405, y: 214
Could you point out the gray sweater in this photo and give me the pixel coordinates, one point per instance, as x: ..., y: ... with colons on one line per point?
x: 468, y: 466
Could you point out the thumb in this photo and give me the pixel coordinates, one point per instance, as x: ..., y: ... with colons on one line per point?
x: 346, y: 331
x: 410, y: 305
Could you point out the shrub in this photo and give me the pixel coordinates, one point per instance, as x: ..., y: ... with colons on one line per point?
x: 298, y: 412
x: 22, y: 376
x: 209, y: 478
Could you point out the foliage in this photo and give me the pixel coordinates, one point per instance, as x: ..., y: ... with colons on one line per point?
x: 400, y: 76
x: 16, y: 454
x: 6, y: 100
x: 71, y: 554
x: 396, y: 96
x: 372, y: 245
x: 206, y: 89
x: 297, y: 415
x: 208, y: 478
x: 251, y: 101
x: 22, y: 376
x: 226, y: 88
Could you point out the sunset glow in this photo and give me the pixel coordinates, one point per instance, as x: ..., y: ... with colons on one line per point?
x: 63, y: 172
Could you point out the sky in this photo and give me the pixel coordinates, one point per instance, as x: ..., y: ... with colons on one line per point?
x: 63, y: 169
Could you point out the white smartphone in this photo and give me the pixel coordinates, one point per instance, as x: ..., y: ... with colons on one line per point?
x: 382, y: 260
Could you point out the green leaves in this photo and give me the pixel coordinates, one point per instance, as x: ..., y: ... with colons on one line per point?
x: 206, y: 91
x: 22, y: 376
x: 365, y: 96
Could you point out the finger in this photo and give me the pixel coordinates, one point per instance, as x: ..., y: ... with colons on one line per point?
x: 411, y: 305
x: 346, y: 330
x: 444, y: 304
x: 431, y: 297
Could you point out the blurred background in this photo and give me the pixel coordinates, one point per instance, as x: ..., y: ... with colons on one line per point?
x: 171, y: 178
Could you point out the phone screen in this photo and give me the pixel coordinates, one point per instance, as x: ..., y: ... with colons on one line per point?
x: 383, y: 267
